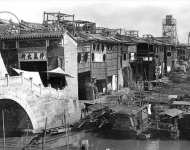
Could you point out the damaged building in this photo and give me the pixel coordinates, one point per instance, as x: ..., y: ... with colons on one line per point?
x: 42, y: 52
x: 108, y: 58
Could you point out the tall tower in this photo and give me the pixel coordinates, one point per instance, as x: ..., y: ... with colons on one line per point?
x: 169, y: 29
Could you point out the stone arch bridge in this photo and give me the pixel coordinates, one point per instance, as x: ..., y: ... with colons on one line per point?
x: 26, y: 105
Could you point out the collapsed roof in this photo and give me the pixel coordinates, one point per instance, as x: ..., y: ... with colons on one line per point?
x: 56, y: 23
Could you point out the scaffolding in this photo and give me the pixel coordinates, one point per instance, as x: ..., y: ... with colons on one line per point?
x: 85, y: 26
x: 132, y: 33
x: 169, y: 29
x: 107, y: 31
x: 58, y: 21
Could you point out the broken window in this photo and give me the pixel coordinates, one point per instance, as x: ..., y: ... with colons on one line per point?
x: 98, y: 47
x: 55, y: 43
x: 102, y: 48
x: 125, y: 56
x: 104, y: 57
x: 94, y: 46
x: 132, y: 56
x: 92, y: 56
x: 168, y: 54
x: 79, y: 57
x: 10, y: 44
x: 85, y: 57
x: 108, y: 47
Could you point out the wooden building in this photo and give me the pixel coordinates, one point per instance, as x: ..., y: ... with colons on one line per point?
x: 97, y: 59
x: 183, y: 52
x: 104, y: 58
x: 127, y: 59
x: 41, y: 52
x: 170, y: 54
x: 153, y: 58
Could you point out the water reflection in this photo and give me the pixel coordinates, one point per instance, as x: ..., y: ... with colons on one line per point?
x: 152, y: 145
x: 97, y: 143
x: 100, y: 143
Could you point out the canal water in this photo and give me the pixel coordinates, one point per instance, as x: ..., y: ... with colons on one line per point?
x: 99, y: 143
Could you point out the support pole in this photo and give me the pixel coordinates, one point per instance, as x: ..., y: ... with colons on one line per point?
x: 40, y: 88
x: 3, y: 129
x: 31, y: 82
x: 44, y: 134
x: 7, y: 78
x: 66, y: 130
x: 21, y: 76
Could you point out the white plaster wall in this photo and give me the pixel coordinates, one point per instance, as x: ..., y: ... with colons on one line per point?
x: 71, y: 65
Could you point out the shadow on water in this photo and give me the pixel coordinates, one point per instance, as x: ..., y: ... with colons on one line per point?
x: 115, y: 135
x: 99, y: 141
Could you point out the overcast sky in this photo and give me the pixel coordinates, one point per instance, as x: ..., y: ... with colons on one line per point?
x: 143, y: 15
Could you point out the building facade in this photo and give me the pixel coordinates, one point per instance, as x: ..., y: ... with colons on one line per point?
x: 42, y: 52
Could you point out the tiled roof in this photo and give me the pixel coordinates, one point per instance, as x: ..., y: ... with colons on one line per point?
x: 16, y: 36
x: 27, y: 30
x: 125, y: 39
x: 84, y: 37
x: 163, y: 40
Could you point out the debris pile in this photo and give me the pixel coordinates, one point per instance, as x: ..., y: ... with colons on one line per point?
x: 98, y: 118
x: 178, y: 76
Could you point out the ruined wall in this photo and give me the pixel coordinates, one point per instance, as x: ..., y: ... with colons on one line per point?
x: 71, y: 65
x: 83, y: 57
x: 38, y: 103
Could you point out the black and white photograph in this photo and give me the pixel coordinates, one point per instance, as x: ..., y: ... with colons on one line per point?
x: 94, y: 74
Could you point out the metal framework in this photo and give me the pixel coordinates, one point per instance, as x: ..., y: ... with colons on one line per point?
x: 58, y: 21
x: 169, y: 29
x: 132, y: 33
x: 107, y: 31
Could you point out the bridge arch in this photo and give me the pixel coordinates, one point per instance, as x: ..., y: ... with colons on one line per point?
x: 18, y: 114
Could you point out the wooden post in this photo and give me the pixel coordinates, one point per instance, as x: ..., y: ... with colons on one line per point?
x: 91, y: 47
x: 27, y: 132
x: 3, y: 129
x: 118, y: 50
x: 58, y: 92
x: 44, y: 134
x: 66, y: 130
x: 68, y: 133
x: 106, y: 74
x: 21, y: 76
x: 30, y: 82
x: 40, y: 88
x: 7, y: 77
x: 73, y: 21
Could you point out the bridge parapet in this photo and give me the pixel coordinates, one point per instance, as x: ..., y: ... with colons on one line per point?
x: 39, y: 102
